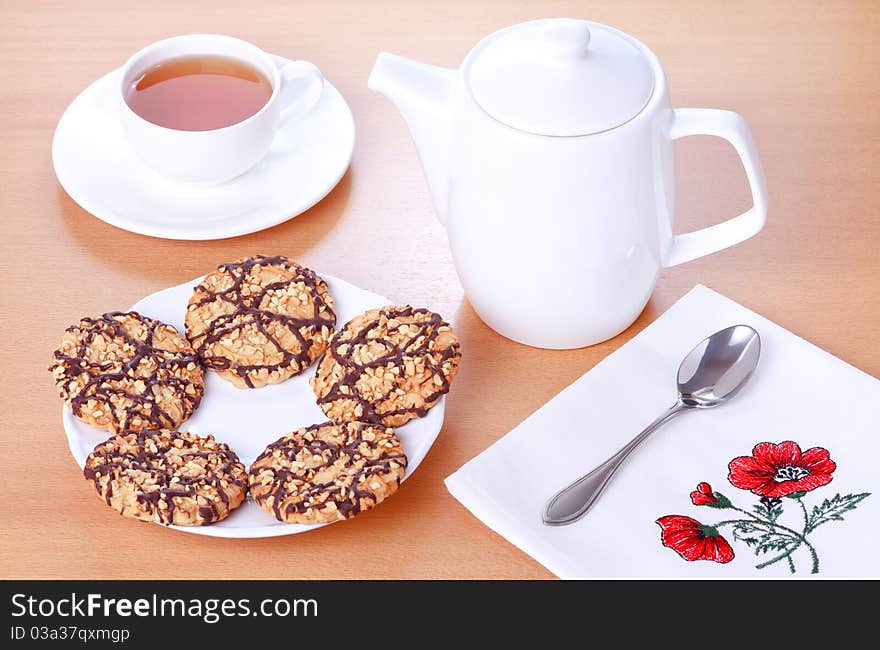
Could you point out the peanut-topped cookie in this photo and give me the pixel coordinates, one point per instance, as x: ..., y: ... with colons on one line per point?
x: 123, y: 371
x: 260, y: 320
x: 327, y: 472
x: 169, y: 477
x: 387, y: 366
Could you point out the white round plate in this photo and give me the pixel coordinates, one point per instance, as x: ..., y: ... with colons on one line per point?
x: 248, y: 420
x: 99, y: 171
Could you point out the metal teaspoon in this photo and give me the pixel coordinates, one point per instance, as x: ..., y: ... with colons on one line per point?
x: 709, y: 375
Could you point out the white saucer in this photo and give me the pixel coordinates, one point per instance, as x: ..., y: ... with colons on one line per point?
x: 97, y: 169
x: 248, y: 420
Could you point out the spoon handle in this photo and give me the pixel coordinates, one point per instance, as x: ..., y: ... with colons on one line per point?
x: 573, y: 502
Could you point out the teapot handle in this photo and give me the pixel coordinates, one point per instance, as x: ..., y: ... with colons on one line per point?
x: 733, y: 128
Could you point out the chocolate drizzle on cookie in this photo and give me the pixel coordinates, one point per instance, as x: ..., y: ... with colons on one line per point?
x: 419, y: 344
x: 148, y: 468
x: 139, y: 388
x: 365, y: 451
x: 244, y: 307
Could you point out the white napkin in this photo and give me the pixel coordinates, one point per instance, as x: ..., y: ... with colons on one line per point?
x: 798, y: 393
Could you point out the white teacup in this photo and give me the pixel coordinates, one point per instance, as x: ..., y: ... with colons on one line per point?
x: 220, y: 154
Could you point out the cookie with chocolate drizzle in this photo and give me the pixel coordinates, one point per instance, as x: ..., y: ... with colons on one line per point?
x: 169, y: 477
x: 124, y: 371
x: 260, y: 320
x: 387, y: 366
x: 327, y: 472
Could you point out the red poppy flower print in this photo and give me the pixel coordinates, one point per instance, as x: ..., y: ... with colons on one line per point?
x: 703, y: 495
x: 775, y: 471
x: 772, y: 472
x: 693, y: 540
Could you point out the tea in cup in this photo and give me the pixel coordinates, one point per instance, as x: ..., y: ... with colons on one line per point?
x: 205, y: 108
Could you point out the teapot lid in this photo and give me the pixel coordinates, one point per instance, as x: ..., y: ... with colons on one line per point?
x: 560, y: 77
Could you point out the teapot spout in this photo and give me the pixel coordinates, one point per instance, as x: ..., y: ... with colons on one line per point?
x: 423, y: 95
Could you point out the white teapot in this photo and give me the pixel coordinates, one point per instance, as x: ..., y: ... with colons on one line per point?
x: 549, y: 159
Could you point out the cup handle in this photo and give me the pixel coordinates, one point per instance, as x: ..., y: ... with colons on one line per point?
x: 733, y: 128
x: 301, y: 87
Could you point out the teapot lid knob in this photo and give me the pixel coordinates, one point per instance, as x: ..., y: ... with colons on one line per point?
x: 561, y: 77
x: 567, y: 35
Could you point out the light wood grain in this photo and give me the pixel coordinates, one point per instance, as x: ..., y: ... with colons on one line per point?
x: 804, y: 74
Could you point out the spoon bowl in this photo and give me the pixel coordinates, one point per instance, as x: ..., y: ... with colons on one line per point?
x: 716, y: 369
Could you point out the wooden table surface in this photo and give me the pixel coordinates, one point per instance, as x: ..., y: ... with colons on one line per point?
x: 805, y: 76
